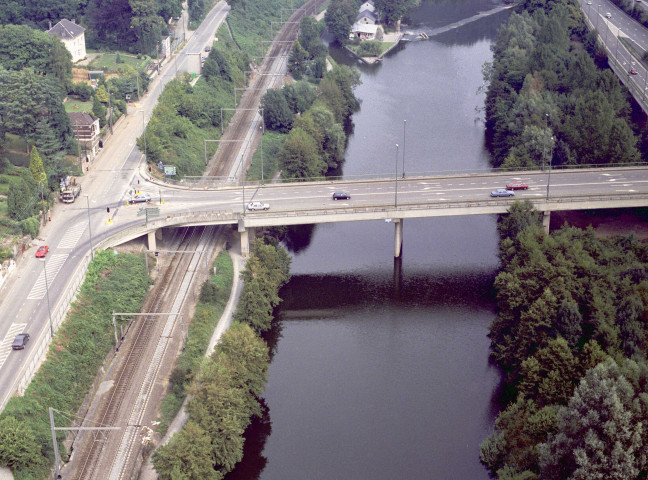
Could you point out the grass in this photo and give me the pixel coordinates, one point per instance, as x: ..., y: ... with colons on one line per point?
x: 77, y: 106
x: 107, y: 62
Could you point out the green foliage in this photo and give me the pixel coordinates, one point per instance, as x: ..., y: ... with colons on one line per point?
x: 547, y: 101
x: 266, y: 271
x: 36, y: 166
x: 113, y: 282
x: 23, y: 47
x: 276, y: 111
x: 339, y: 17
x: 370, y: 48
x: 297, y: 60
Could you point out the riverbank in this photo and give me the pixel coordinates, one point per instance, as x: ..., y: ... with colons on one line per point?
x: 606, y: 223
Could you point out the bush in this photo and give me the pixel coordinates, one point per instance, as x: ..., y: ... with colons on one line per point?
x: 370, y: 49
x: 30, y: 226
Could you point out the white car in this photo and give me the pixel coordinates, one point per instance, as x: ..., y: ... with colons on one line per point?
x: 140, y: 198
x: 258, y: 206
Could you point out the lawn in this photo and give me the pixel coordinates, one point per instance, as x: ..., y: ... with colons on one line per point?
x: 74, y: 105
x: 107, y: 62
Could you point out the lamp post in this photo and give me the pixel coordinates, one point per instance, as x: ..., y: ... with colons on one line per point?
x: 89, y: 227
x: 49, y: 310
x: 396, y: 181
x: 262, y: 132
x: 544, y: 140
x: 404, y: 127
x: 144, y: 134
x: 549, y: 176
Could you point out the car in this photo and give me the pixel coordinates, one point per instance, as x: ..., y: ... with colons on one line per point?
x: 258, y: 206
x: 589, y: 2
x: 42, y: 251
x: 207, y: 48
x: 502, y: 192
x: 517, y: 186
x: 140, y: 198
x: 608, y: 15
x: 632, y: 71
x: 20, y: 341
x: 341, y: 196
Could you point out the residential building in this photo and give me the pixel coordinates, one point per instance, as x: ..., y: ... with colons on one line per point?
x: 86, y: 131
x: 72, y: 36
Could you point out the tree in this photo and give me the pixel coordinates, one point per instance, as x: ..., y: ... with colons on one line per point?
x: 299, y: 95
x: 391, y: 10
x: 36, y: 166
x: 309, y: 35
x: 188, y: 455
x: 600, y: 431
x: 21, y: 199
x: 99, y: 110
x: 146, y: 25
x: 299, y: 157
x: 339, y: 17
x: 18, y: 445
x: 297, y: 60
x: 276, y: 112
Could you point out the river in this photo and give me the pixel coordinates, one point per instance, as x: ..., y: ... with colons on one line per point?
x: 380, y: 368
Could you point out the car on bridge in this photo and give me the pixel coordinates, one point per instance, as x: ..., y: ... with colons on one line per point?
x: 502, y: 192
x: 258, y: 206
x: 42, y: 251
x: 632, y: 71
x: 341, y: 196
x: 517, y: 186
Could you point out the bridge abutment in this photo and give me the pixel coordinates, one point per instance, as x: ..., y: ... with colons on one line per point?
x: 152, y: 244
x: 245, y: 241
x: 398, y: 237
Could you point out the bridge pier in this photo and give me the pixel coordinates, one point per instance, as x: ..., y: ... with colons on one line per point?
x: 152, y: 245
x: 546, y: 217
x: 245, y: 241
x: 398, y: 237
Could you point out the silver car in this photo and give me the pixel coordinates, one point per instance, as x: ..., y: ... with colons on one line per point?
x: 502, y: 192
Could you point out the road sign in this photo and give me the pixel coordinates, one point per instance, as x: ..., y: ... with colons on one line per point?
x: 169, y: 170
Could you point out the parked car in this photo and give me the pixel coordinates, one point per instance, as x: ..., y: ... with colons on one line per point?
x: 517, y: 186
x: 502, y: 192
x: 207, y: 48
x: 20, y: 341
x: 140, y: 198
x: 341, y: 196
x: 42, y: 251
x: 632, y: 71
x: 258, y: 206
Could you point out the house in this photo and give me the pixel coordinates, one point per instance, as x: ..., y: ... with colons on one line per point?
x: 86, y: 131
x: 363, y: 31
x: 72, y: 36
x: 367, y: 17
x: 368, y: 5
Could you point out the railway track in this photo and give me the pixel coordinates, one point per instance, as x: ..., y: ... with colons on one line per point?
x: 143, y: 348
x: 232, y: 144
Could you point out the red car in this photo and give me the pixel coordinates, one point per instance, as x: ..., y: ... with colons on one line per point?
x: 633, y: 72
x: 42, y: 251
x: 517, y: 186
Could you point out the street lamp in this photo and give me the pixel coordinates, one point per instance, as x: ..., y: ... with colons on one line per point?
x: 261, y: 127
x: 49, y: 310
x: 89, y: 227
x: 144, y: 135
x: 396, y: 181
x: 549, y: 176
x: 544, y: 140
x: 404, y: 127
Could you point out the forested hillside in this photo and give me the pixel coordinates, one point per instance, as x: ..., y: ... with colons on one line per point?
x: 548, y: 99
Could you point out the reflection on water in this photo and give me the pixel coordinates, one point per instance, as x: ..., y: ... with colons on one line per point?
x: 380, y: 367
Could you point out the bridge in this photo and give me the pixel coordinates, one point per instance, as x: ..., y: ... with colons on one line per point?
x: 393, y: 199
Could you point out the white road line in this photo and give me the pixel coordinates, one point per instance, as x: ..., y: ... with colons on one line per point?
x: 73, y: 235
x: 5, y: 345
x: 53, y: 265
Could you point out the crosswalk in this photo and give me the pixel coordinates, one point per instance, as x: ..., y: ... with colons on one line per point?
x: 52, y: 266
x: 5, y: 345
x: 73, y: 235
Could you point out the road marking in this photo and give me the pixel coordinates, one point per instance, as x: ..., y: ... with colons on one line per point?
x: 5, y: 345
x: 53, y: 265
x: 73, y: 235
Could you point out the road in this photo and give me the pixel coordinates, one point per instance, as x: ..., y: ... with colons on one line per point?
x: 23, y: 297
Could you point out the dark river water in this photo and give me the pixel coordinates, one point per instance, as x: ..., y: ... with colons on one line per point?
x: 380, y: 368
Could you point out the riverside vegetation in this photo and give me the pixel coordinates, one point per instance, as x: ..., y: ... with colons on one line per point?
x: 572, y: 324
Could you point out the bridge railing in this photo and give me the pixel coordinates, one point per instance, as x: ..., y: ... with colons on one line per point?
x: 206, y: 182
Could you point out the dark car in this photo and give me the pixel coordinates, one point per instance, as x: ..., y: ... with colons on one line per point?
x: 517, y: 186
x: 341, y: 196
x: 502, y: 192
x: 207, y: 48
x: 20, y: 341
x: 633, y: 72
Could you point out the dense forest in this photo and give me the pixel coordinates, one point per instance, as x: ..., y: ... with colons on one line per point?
x: 572, y: 324
x: 547, y: 98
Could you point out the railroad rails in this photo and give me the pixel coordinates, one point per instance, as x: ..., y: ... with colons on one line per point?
x: 140, y: 358
x: 275, y: 62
